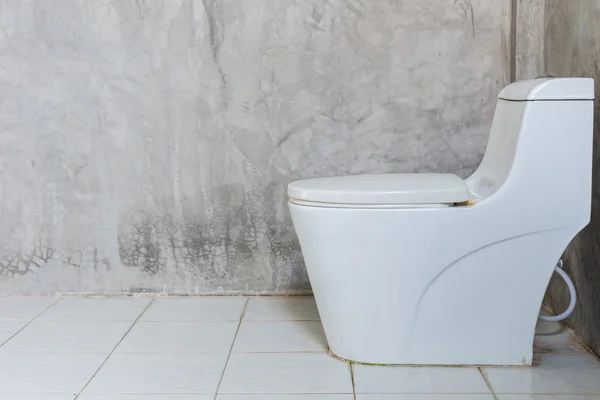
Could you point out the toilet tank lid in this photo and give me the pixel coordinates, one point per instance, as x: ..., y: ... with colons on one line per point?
x: 382, y: 189
x: 549, y: 89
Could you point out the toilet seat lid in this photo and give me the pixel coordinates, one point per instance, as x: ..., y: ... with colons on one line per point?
x: 382, y: 189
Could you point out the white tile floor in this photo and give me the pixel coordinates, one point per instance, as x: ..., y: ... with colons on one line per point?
x: 234, y: 348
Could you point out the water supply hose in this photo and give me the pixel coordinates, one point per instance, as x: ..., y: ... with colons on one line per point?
x: 573, y: 294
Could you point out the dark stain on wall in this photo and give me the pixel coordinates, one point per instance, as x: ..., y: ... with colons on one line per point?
x: 22, y: 264
x: 242, y: 241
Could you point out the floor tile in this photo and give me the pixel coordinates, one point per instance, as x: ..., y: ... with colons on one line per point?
x: 300, y: 308
x: 559, y: 343
x: 280, y: 337
x: 285, y: 373
x: 556, y: 374
x: 285, y: 397
x: 67, y: 337
x: 424, y: 397
x: 159, y: 373
x: 552, y: 337
x: 548, y: 327
x: 372, y: 379
x: 548, y: 397
x: 196, y: 309
x: 47, y: 373
x: 179, y: 337
x: 95, y: 309
x: 23, y: 308
x: 7, y: 329
x: 146, y: 397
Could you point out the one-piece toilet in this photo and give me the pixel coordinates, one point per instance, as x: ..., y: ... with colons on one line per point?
x: 433, y: 269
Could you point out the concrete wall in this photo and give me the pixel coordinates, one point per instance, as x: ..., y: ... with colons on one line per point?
x: 529, y: 38
x: 572, y: 48
x: 146, y: 145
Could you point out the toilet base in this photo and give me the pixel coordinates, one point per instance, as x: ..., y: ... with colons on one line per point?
x: 385, y: 298
x: 332, y: 354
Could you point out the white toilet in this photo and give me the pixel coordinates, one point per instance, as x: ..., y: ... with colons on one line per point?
x: 433, y: 269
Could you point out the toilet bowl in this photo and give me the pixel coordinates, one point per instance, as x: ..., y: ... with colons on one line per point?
x: 431, y: 269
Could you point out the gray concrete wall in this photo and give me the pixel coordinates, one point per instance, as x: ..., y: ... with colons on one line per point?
x: 529, y: 43
x: 146, y: 145
x: 572, y: 48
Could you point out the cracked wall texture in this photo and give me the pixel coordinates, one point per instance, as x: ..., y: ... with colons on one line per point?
x: 146, y: 145
x: 572, y: 48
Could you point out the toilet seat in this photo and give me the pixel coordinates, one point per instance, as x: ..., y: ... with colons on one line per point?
x: 381, y: 191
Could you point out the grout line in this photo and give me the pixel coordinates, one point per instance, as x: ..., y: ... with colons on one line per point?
x: 114, y: 348
x: 231, y: 348
x: 30, y: 321
x: 487, y: 382
x: 513, y: 40
x: 225, y: 320
x: 194, y: 352
x: 352, y: 379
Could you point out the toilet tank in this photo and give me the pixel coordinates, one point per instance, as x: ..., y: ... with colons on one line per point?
x: 540, y: 145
